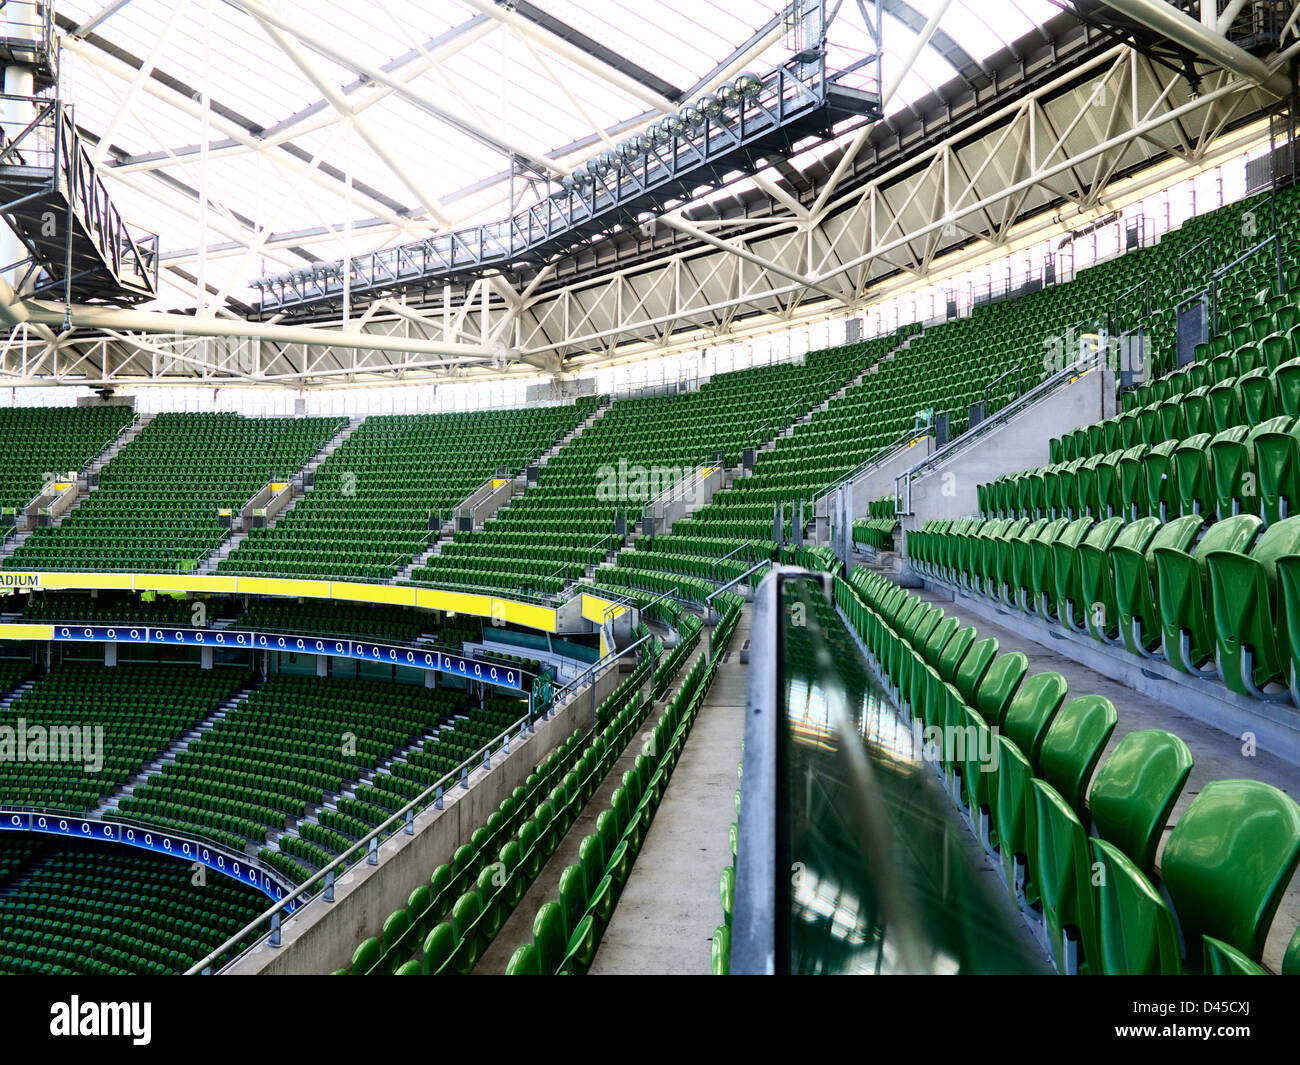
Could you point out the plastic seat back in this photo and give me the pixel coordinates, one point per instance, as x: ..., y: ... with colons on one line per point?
x: 1183, y: 586
x: 1221, y: 959
x: 1245, y: 608
x: 1136, y: 932
x: 1135, y: 789
x: 1228, y: 861
x: 975, y: 663
x: 1072, y: 746
x: 1000, y: 682
x: 1062, y: 873
x: 1031, y: 710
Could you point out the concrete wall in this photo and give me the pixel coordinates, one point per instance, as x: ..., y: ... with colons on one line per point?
x: 496, y: 498
x: 879, y: 479
x: 874, y: 482
x: 322, y: 937
x: 949, y: 489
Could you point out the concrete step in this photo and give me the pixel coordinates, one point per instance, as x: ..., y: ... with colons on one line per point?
x: 404, y: 574
x: 97, y: 464
x: 114, y: 801
x: 17, y: 693
x: 227, y: 546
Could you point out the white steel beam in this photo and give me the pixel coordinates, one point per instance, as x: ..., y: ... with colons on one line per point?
x: 145, y: 72
x: 345, y: 110
x: 337, y: 52
x: 1204, y: 41
x: 572, y: 53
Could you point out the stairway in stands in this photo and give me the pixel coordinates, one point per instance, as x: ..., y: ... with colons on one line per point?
x: 330, y: 802
x: 521, y: 486
x: 301, y: 487
x: 113, y: 801
x: 17, y: 693
x: 90, y: 476
x: 839, y: 393
x: 733, y: 473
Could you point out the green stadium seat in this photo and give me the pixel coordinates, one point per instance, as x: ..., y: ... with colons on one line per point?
x: 1222, y: 959
x: 1072, y: 747
x: 1182, y: 580
x: 1136, y: 932
x: 1062, y: 870
x: 1228, y: 861
x: 1133, y: 570
x: 1134, y: 791
x: 1245, y: 607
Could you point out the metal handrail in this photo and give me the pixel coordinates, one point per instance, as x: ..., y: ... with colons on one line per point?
x: 1212, y: 286
x: 1145, y: 285
x: 747, y: 546
x: 692, y: 484
x: 587, y: 675
x: 1187, y: 254
x: 903, y: 480
x: 870, y: 463
x: 736, y: 580
x: 1016, y: 369
x: 434, y: 791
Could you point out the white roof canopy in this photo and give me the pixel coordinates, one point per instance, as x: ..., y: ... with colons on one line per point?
x: 231, y: 126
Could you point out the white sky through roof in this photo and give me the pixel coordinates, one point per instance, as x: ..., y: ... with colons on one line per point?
x: 523, y: 86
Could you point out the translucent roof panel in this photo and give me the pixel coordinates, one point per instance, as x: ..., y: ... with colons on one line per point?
x: 422, y: 104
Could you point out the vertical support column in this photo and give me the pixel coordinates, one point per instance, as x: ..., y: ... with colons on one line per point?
x: 110, y: 654
x: 205, y: 657
x: 20, y: 21
x: 205, y: 135
x: 848, y: 524
x: 322, y: 665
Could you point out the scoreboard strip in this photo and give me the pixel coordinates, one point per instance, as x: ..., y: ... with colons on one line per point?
x: 509, y: 677
x: 160, y: 841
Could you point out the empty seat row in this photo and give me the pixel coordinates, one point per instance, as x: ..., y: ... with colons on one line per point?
x: 1224, y: 866
x: 567, y: 931
x: 1213, y: 601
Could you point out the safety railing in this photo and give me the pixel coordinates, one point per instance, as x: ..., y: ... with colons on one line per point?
x: 403, y: 820
x: 1017, y: 370
x: 1211, y: 288
x: 911, y: 436
x: 1143, y: 286
x: 903, y: 481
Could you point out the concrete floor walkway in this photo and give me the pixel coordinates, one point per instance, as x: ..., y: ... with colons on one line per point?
x: 518, y: 927
x: 666, y: 915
